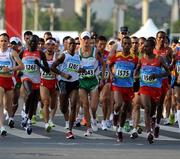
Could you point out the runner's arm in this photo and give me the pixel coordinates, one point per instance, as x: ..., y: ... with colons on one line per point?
x: 100, y: 59
x: 45, y: 66
x: 20, y: 65
x: 167, y: 73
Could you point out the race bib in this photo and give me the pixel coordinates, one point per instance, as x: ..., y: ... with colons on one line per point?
x: 4, y: 64
x: 73, y: 67
x: 121, y: 73
x: 30, y: 66
x: 106, y: 74
x: 47, y: 75
x: 88, y: 73
x: 146, y: 78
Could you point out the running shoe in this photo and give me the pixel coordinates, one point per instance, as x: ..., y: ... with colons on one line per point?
x: 150, y: 138
x: 83, y: 122
x: 69, y: 135
x: 29, y: 128
x: 139, y: 129
x: 94, y: 125
x: 77, y: 123
x: 172, y: 119
x: 48, y: 127
x: 3, y: 131
x: 88, y: 132
x: 34, y: 119
x: 119, y: 137
x: 24, y: 122
x: 166, y: 121
x: 104, y: 125
x: 127, y: 127
x: 51, y: 123
x: 134, y: 134
x: 108, y: 123
x: 156, y: 131
x: 11, y: 122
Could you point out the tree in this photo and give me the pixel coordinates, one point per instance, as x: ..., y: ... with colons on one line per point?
x: 79, y: 23
x: 175, y: 27
x: 131, y: 19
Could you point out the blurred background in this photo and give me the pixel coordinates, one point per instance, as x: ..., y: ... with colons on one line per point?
x: 103, y: 16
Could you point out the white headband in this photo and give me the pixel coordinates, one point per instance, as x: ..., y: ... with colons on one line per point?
x: 50, y: 41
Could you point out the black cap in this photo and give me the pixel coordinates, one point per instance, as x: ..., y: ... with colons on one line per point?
x: 124, y: 29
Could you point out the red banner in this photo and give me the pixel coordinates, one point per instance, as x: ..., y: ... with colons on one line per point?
x: 13, y: 17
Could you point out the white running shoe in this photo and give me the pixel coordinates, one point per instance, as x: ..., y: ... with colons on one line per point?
x: 51, y: 123
x: 11, y: 122
x: 166, y: 121
x: 88, y: 132
x: 104, y: 125
x: 3, y: 131
x: 109, y: 124
x: 47, y: 127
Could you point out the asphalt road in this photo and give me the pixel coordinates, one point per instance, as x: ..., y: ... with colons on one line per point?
x: 102, y: 145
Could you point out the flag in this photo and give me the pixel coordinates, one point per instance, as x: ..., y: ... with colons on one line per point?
x: 13, y: 17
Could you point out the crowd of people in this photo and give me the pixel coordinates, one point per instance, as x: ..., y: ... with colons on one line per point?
x: 120, y: 76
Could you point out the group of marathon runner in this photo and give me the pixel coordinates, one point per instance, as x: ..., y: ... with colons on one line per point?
x: 122, y: 76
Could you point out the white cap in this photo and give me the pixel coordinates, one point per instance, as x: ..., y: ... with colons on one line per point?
x: 112, y: 40
x: 85, y: 33
x: 50, y: 41
x: 15, y: 39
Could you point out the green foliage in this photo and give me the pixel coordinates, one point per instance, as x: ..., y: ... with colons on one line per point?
x: 44, y: 21
x: 29, y: 19
x: 176, y: 27
x: 104, y: 28
x: 79, y: 23
x: 70, y: 24
x: 131, y: 20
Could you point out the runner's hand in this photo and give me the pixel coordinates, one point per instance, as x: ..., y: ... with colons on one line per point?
x: 36, y: 61
x: 66, y: 75
x: 5, y: 69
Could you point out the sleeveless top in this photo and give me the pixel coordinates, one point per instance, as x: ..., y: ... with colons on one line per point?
x: 148, y: 68
x: 90, y: 64
x: 123, y: 70
x: 71, y: 66
x: 50, y: 75
x: 6, y: 60
x: 31, y: 70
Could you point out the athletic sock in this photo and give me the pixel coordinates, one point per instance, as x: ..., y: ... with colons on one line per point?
x: 178, y: 117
